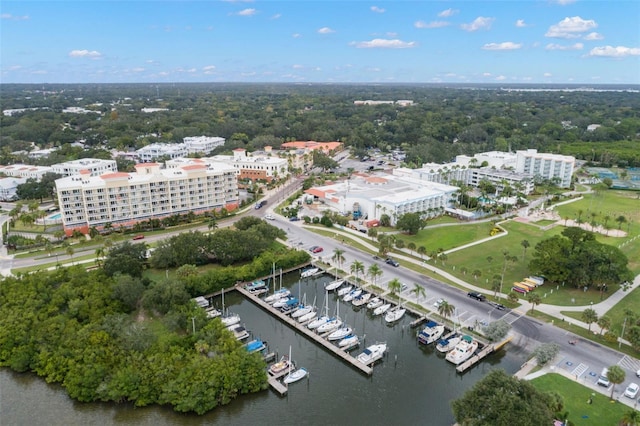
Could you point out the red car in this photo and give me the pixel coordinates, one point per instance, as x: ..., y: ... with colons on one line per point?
x: 316, y: 249
x: 139, y: 237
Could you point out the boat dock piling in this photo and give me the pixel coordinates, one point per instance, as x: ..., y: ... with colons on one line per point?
x: 291, y: 322
x: 418, y: 321
x: 277, y: 386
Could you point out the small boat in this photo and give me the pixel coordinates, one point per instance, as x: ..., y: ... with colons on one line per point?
x: 333, y: 285
x: 352, y: 295
x: 284, y: 301
x: 230, y: 320
x: 308, y: 317
x: 302, y: 310
x: 344, y: 290
x: 463, y: 350
x: 277, y: 295
x: 239, y: 332
x: 213, y: 313
x: 446, y: 345
x: 256, y: 286
x: 394, y: 314
x: 375, y: 303
x: 309, y: 272
x: 431, y: 332
x: 296, y: 375
x: 349, y: 341
x: 318, y: 322
x: 280, y: 366
x: 256, y: 345
x: 372, y: 353
x: 340, y: 333
x: 381, y: 309
x: 331, y: 325
x: 361, y: 300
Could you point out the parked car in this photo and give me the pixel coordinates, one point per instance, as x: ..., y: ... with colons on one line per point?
x: 603, y: 379
x: 478, y: 296
x: 631, y: 391
x: 438, y: 302
x: 403, y: 287
x: 269, y: 217
x: 316, y: 249
x: 638, y: 373
x: 392, y: 262
x: 139, y: 237
x: 294, y: 219
x: 498, y: 306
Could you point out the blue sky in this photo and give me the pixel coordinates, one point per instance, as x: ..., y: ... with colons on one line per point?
x: 536, y: 41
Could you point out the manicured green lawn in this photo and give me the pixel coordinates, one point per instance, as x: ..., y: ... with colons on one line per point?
x: 631, y: 302
x: 575, y: 396
x: 448, y: 237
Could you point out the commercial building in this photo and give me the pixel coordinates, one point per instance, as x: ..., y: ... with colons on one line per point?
x: 258, y: 166
x: 25, y: 171
x: 151, y: 192
x: 155, y: 151
x: 202, y: 144
x: 554, y: 167
x: 95, y: 166
x: 9, y: 187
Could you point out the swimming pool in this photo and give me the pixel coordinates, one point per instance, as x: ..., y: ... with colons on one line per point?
x: 55, y: 216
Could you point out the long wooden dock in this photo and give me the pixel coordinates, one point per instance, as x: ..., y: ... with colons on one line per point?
x: 346, y: 357
x: 277, y: 386
x: 490, y: 348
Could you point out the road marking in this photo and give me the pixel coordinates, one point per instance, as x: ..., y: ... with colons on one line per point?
x: 630, y: 363
x: 579, y: 370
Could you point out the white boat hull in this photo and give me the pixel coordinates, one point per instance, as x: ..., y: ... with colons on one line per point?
x: 374, y: 303
x: 352, y: 295
x: 302, y: 311
x: 382, y: 309
x: 361, y: 300
x: 462, y: 352
x: 334, y: 285
x: 230, y: 320
x: 294, y: 376
x: 394, y: 315
x: 451, y: 343
x: 372, y: 353
x: 308, y: 317
x: 318, y: 322
x: 330, y: 325
x: 340, y: 333
x: 345, y: 290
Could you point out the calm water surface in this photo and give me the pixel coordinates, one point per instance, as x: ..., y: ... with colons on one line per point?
x: 413, y: 385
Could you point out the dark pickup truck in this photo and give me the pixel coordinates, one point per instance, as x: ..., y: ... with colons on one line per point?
x: 478, y: 296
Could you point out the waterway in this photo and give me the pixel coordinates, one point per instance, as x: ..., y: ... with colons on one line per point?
x: 412, y: 385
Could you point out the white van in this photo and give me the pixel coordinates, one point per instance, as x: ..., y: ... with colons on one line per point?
x: 603, y: 380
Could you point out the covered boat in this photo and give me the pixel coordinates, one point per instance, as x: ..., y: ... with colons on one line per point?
x: 446, y: 345
x: 374, y: 303
x: 465, y: 348
x: 431, y: 332
x: 372, y: 353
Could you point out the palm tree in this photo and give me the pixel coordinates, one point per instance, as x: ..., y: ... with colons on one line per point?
x: 446, y: 309
x: 338, y: 257
x: 395, y: 286
x: 374, y: 272
x: 463, y: 270
x: 620, y: 219
x: 630, y: 418
x: 616, y: 375
x: 422, y: 250
x: 356, y: 268
x: 99, y: 254
x: 411, y: 246
x: 418, y: 290
x: 443, y: 257
x: 525, y: 245
x: 476, y: 274
x: 399, y: 243
x: 70, y: 252
x: 534, y: 299
x: 604, y: 322
x: 212, y: 224
x: 589, y: 316
x: 513, y: 297
x: 496, y: 285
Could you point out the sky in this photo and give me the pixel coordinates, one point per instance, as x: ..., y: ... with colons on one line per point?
x: 329, y: 41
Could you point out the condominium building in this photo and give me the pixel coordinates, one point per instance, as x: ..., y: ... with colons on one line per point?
x: 263, y: 166
x: 25, y: 171
x: 555, y: 167
x: 155, y: 151
x: 151, y: 192
x: 95, y: 166
x: 202, y: 144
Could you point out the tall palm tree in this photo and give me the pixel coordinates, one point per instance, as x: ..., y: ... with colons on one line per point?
x: 525, y: 245
x: 616, y: 375
x: 446, y: 309
x: 418, y: 290
x: 534, y: 299
x: 356, y: 268
x: 411, y: 246
x: 630, y: 418
x: 374, y: 272
x: 70, y: 252
x: 395, y: 286
x: 338, y: 257
x: 422, y: 250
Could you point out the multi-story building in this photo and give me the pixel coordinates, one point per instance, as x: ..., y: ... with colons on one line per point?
x: 123, y: 199
x: 9, y: 187
x: 256, y: 167
x: 155, y: 151
x: 25, y: 171
x: 202, y: 144
x: 95, y: 166
x: 555, y: 167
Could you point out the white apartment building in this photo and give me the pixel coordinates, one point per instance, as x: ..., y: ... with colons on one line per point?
x: 497, y: 159
x: 154, y: 151
x: 202, y: 144
x: 123, y: 199
x: 257, y: 166
x: 25, y: 171
x: 95, y: 166
x: 546, y: 166
x: 9, y: 187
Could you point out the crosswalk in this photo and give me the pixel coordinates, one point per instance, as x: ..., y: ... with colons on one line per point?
x: 580, y: 370
x: 630, y: 363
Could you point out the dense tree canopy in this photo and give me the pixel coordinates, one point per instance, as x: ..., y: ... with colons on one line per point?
x: 502, y: 400
x: 410, y: 223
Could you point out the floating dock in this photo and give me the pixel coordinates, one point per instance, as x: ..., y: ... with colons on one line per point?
x: 277, y: 386
x: 480, y: 355
x: 418, y: 321
x: 346, y: 357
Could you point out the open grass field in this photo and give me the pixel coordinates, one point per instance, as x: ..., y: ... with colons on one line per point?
x: 601, y: 412
x: 448, y: 237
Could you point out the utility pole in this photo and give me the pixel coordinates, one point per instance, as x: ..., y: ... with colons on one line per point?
x: 622, y: 333
x: 193, y: 323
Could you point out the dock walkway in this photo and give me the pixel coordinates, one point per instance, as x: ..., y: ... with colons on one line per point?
x: 346, y: 357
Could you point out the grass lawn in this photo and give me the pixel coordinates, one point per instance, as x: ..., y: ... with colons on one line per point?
x: 575, y: 396
x: 448, y: 237
x: 631, y: 302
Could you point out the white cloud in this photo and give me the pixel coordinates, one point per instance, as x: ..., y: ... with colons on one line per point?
x: 615, y: 52
x: 501, y: 78
x: 325, y: 30
x: 571, y: 27
x: 562, y: 2
x: 377, y: 9
x: 520, y: 23
x: 276, y: 16
x: 507, y: 45
x: 576, y: 46
x: 209, y: 68
x: 94, y: 54
x: 247, y: 12
x: 297, y: 66
x: 14, y: 68
x: 296, y: 35
x: 432, y: 24
x: 547, y: 74
x: 137, y: 69
x: 382, y: 43
x: 486, y: 74
x: 11, y: 17
x: 39, y: 72
x: 447, y: 13
x: 480, y: 23
x: 593, y: 36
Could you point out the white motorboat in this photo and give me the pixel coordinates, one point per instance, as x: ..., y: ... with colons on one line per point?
x: 340, y: 333
x: 213, y: 313
x: 394, y: 314
x: 361, y: 300
x: 277, y: 295
x: 431, y: 332
x: 239, y: 332
x: 345, y: 290
x: 349, y: 341
x: 309, y: 272
x: 296, y: 375
x: 375, y: 303
x: 256, y: 286
x: 280, y: 366
x: 230, y: 320
x: 381, y: 309
x: 352, y: 295
x: 463, y: 350
x: 446, y: 345
x: 334, y: 285
x: 301, y: 311
x: 308, y: 317
x: 331, y: 325
x: 372, y: 353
